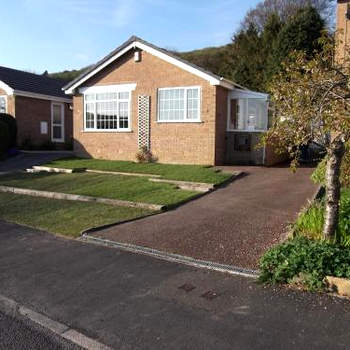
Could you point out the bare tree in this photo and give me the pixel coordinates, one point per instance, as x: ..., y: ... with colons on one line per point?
x: 259, y: 15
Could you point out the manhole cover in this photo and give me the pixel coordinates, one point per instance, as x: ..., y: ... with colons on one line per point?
x: 187, y: 287
x: 210, y: 295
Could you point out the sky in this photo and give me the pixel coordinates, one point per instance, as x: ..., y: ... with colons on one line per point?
x: 56, y: 35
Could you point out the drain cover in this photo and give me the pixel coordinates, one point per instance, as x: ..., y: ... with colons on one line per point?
x: 187, y: 287
x: 210, y: 295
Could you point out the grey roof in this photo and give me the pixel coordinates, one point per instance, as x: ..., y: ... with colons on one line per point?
x: 130, y: 41
x: 34, y: 83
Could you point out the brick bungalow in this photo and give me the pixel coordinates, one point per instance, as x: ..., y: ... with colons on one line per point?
x: 142, y: 95
x: 42, y: 110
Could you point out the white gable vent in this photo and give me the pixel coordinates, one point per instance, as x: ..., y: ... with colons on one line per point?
x: 137, y: 56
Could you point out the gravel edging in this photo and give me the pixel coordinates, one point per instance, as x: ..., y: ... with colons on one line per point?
x: 81, y: 198
x: 170, y: 257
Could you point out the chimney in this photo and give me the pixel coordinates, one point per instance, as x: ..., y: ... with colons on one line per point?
x: 343, y: 28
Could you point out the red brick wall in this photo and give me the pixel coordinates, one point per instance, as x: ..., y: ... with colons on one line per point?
x: 343, y: 29
x: 221, y: 125
x: 10, y: 102
x: 30, y: 112
x: 188, y: 143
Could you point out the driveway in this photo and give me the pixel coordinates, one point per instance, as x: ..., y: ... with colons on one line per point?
x: 132, y: 301
x: 233, y: 225
x: 27, y: 160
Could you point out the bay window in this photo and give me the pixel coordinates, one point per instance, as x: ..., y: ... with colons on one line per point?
x: 107, y: 111
x: 248, y: 114
x: 179, y: 104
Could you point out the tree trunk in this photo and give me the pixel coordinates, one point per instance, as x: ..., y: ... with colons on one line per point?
x: 335, y: 156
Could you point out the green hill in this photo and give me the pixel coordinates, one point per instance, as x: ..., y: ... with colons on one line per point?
x: 213, y: 59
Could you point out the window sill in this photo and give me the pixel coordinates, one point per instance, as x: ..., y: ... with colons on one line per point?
x: 107, y: 131
x: 179, y: 121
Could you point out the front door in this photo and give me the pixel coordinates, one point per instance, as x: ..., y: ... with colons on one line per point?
x: 57, y: 122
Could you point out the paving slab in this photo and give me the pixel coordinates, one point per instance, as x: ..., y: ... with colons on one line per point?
x: 233, y: 225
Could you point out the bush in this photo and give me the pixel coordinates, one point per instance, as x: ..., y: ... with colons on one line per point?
x: 5, y: 139
x: 144, y: 155
x: 12, y: 126
x: 310, y: 222
x: 307, y: 259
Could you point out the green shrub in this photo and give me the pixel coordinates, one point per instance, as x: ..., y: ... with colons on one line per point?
x: 311, y: 259
x: 5, y: 138
x: 310, y: 222
x: 12, y: 126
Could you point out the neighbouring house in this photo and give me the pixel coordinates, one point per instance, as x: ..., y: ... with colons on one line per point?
x: 142, y: 95
x: 42, y: 110
x: 343, y: 27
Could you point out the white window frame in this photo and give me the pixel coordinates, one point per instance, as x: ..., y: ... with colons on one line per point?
x: 6, y: 106
x: 62, y: 124
x: 108, y: 89
x: 185, y: 120
x: 246, y: 101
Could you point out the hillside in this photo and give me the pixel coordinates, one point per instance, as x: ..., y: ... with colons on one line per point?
x: 213, y: 59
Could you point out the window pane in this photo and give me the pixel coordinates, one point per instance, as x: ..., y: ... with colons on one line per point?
x: 106, y: 115
x: 123, y: 115
x: 192, y: 104
x: 257, y: 114
x: 57, y: 132
x: 89, y: 97
x: 90, y: 115
x: 123, y: 95
x: 57, y: 114
x: 2, y: 104
x: 171, y: 104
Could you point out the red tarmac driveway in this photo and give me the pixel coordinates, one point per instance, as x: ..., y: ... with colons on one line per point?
x: 233, y: 225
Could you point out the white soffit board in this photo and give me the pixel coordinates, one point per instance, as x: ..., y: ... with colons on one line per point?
x: 108, y: 88
x: 248, y: 94
x: 6, y: 88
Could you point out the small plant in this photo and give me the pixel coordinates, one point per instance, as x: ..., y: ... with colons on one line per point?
x: 306, y: 260
x: 144, y: 155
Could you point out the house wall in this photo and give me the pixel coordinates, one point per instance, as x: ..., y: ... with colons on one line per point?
x: 30, y: 112
x: 221, y: 124
x: 187, y: 143
x: 10, y: 102
x: 343, y: 29
x: 255, y: 156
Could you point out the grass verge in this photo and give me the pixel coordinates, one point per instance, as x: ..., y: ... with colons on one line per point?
x: 127, y: 188
x: 194, y: 173
x: 60, y: 216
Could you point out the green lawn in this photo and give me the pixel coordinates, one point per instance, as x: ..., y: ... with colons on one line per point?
x: 195, y: 173
x: 61, y: 216
x: 130, y: 188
